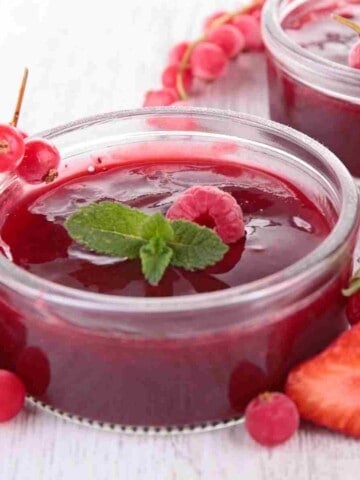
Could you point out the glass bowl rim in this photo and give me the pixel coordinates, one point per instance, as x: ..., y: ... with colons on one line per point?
x: 315, y: 63
x: 30, y: 285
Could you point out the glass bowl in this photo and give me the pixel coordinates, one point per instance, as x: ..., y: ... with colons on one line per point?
x: 312, y: 94
x: 189, y: 362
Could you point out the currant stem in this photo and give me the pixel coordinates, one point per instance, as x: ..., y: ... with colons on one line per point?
x: 216, y: 23
x: 20, y: 98
x: 349, y: 23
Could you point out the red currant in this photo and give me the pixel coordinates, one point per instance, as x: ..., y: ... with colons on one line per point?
x: 12, y: 147
x: 34, y: 369
x: 208, y: 61
x: 354, y: 56
x: 353, y: 309
x: 176, y: 53
x: 229, y: 38
x: 12, y: 395
x: 169, y: 77
x: 271, y: 418
x: 212, y: 18
x: 158, y: 98
x: 40, y: 158
x: 250, y: 28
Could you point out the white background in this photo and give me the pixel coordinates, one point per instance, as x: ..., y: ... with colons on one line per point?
x: 93, y: 56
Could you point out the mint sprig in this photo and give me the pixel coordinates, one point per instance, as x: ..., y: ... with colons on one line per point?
x: 115, y: 229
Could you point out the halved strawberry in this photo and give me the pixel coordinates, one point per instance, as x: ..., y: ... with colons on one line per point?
x: 326, y: 389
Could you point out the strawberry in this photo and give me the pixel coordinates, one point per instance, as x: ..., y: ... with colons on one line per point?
x: 326, y: 388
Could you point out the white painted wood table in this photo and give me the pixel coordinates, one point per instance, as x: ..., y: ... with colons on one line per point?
x: 88, y: 57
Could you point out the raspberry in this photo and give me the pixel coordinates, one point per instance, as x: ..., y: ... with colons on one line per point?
x: 229, y: 38
x: 354, y: 56
x: 176, y: 53
x: 353, y: 309
x: 250, y: 28
x: 211, y: 19
x: 208, y: 61
x: 40, y: 158
x: 213, y: 208
x: 12, y: 395
x: 271, y: 418
x: 160, y: 98
x: 169, y: 77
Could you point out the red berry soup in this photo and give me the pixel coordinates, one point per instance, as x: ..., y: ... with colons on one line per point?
x: 318, y: 95
x: 277, y: 217
x: 133, y: 379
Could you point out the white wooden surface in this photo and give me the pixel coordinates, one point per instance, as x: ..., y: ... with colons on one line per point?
x: 93, y: 56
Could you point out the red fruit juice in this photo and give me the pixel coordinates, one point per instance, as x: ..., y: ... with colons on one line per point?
x: 325, y: 116
x: 163, y: 379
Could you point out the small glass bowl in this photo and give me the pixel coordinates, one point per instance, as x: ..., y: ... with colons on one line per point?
x: 187, y: 362
x: 312, y: 94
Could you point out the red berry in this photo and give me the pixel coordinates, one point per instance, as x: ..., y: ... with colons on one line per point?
x: 251, y: 30
x: 208, y: 61
x: 33, y: 368
x: 271, y: 418
x: 12, y: 395
x: 169, y: 77
x: 353, y: 309
x: 211, y: 207
x: 211, y: 19
x: 326, y: 388
x: 12, y: 147
x: 176, y: 53
x: 160, y: 98
x: 229, y: 38
x: 354, y: 56
x: 40, y: 158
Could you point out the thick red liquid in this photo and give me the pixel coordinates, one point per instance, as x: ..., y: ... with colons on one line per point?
x: 277, y: 217
x: 145, y: 376
x: 332, y: 121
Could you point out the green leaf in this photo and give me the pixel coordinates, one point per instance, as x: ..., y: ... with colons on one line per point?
x: 157, y: 226
x: 195, y: 247
x: 155, y: 258
x: 108, y: 227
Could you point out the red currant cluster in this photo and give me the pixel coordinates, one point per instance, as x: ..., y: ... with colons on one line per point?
x: 225, y: 36
x: 34, y: 160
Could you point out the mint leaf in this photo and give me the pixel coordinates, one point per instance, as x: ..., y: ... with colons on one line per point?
x: 108, y: 227
x: 121, y: 231
x: 195, y: 247
x: 157, y: 226
x: 155, y: 258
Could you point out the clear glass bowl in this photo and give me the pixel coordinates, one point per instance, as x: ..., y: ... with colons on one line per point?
x: 189, y: 362
x: 312, y: 94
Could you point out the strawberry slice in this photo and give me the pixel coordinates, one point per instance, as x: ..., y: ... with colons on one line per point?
x: 326, y: 389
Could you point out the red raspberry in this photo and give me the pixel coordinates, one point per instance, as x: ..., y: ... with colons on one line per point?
x: 354, y: 56
x: 251, y: 30
x: 211, y: 19
x: 271, y: 418
x: 208, y: 61
x: 176, y: 53
x: 213, y: 208
x: 160, y: 98
x: 353, y: 309
x: 12, y: 395
x: 229, y: 38
x: 169, y: 77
